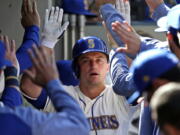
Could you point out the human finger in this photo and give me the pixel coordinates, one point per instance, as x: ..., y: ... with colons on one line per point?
x: 28, y: 6
x: 60, y: 16
x: 51, y: 16
x: 34, y: 7
x: 6, y: 42
x: 56, y: 14
x: 33, y: 58
x: 46, y: 15
x: 30, y: 74
x: 13, y: 46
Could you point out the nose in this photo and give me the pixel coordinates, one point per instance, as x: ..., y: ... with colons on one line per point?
x: 93, y: 63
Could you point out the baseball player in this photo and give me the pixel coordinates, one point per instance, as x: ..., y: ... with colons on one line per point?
x: 107, y: 112
x: 147, y: 77
x: 28, y: 121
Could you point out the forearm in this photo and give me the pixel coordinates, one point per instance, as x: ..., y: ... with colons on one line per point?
x: 31, y: 36
x: 11, y: 95
x: 159, y: 12
x: 31, y: 33
x: 122, y: 80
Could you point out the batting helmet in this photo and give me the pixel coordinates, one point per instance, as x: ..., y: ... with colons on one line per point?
x: 86, y: 45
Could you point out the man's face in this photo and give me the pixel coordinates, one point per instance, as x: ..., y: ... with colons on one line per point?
x: 93, y: 68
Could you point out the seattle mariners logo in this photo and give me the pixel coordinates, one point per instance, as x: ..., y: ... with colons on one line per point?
x: 91, y: 43
x: 146, y: 78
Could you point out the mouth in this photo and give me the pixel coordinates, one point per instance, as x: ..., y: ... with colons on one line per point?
x: 94, y: 74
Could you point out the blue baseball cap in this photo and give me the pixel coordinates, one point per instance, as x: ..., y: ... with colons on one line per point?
x: 172, y: 20
x: 86, y: 45
x: 3, y: 61
x: 150, y: 65
x: 77, y: 7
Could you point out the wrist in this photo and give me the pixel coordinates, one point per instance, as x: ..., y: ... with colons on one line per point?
x: 10, y: 71
x: 11, y: 78
x: 35, y: 28
x: 49, y: 43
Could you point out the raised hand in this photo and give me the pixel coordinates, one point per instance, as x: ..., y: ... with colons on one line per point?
x: 52, y: 30
x: 10, y: 54
x: 153, y: 4
x: 44, y: 67
x: 123, y: 7
x: 29, y: 13
x: 128, y: 36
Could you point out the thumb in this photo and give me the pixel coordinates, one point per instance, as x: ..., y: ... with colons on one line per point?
x: 63, y: 29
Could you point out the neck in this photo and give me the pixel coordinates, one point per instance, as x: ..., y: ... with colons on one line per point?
x: 91, y: 91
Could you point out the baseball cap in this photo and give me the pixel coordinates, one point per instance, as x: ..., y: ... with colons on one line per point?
x: 150, y: 65
x: 172, y: 20
x: 76, y: 7
x: 89, y: 44
x: 86, y: 45
x: 3, y: 61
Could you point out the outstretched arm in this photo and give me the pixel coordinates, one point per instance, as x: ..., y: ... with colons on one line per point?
x: 122, y: 80
x: 69, y: 114
x: 11, y: 95
x: 134, y: 44
x: 31, y: 22
x: 63, y: 102
x: 52, y: 31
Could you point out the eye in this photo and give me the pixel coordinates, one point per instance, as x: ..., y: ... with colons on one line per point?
x: 84, y: 61
x: 100, y: 60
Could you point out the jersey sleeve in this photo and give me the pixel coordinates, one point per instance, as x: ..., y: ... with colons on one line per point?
x: 122, y: 80
x: 146, y: 124
x: 31, y: 36
x: 160, y: 11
